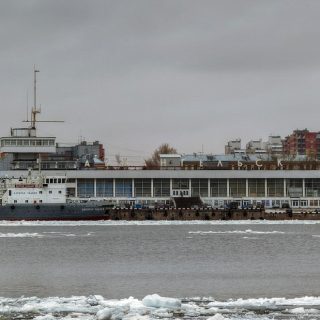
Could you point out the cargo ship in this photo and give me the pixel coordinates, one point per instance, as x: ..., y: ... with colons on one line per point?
x: 38, y: 197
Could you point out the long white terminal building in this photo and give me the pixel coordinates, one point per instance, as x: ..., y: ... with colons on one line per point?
x: 299, y: 188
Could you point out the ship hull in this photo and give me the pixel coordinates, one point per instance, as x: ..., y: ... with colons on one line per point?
x: 48, y: 212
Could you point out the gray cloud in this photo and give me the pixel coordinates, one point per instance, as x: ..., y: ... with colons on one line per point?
x: 135, y: 74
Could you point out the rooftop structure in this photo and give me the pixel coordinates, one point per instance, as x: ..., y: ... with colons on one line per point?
x: 232, y: 146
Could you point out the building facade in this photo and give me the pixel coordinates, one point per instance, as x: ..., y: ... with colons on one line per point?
x: 302, y: 142
x: 299, y: 188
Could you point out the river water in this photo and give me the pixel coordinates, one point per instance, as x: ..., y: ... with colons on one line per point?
x: 201, y: 263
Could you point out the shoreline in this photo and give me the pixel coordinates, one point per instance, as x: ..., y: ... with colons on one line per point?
x: 208, y: 215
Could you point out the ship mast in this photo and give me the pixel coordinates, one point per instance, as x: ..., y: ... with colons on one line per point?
x: 34, y: 110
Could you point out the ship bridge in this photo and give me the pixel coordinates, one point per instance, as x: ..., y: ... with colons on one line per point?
x: 24, y: 140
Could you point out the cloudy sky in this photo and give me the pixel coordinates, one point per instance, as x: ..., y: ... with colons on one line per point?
x: 137, y: 73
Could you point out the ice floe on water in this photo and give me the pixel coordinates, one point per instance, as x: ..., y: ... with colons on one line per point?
x: 248, y: 231
x: 21, y: 235
x: 156, y: 307
x: 156, y: 301
x: 43, y: 235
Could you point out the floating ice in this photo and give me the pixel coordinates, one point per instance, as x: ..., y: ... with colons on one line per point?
x: 303, y: 310
x: 218, y: 316
x: 104, y: 314
x: 45, y: 317
x: 42, y: 235
x: 155, y: 301
x: 20, y: 235
x: 248, y: 231
x: 154, y: 307
x: 297, y: 310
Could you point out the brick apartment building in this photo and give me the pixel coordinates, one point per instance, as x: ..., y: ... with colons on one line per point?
x: 302, y: 142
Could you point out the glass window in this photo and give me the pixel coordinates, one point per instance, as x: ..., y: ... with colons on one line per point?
x: 180, y: 183
x: 294, y: 188
x: 275, y: 187
x: 218, y: 187
x: 85, y: 188
x: 237, y: 187
x: 314, y: 203
x: 256, y: 187
x: 161, y: 187
x: 312, y: 187
x: 142, y: 187
x: 123, y: 188
x: 104, y: 187
x: 199, y: 187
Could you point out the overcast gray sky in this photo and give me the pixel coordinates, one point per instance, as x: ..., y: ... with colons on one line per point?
x: 135, y: 74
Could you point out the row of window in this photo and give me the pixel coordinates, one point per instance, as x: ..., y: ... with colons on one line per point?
x: 269, y: 203
x: 27, y: 142
x: 40, y: 192
x: 180, y: 193
x: 27, y: 201
x: 55, y: 180
x: 199, y: 187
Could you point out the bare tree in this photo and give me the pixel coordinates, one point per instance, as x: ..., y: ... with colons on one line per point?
x: 154, y: 160
x: 118, y: 159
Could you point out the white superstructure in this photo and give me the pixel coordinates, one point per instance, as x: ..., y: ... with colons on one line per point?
x: 34, y: 190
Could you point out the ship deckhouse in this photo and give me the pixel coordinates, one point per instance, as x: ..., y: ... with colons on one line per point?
x: 24, y: 140
x: 50, y: 189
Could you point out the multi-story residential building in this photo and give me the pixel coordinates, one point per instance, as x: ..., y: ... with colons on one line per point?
x: 272, y: 147
x: 302, y: 142
x: 255, y: 146
x: 232, y: 146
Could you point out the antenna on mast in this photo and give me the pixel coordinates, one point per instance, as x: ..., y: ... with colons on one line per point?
x: 34, y: 109
x: 27, y: 105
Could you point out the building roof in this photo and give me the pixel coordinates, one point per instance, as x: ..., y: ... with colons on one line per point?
x: 235, y: 157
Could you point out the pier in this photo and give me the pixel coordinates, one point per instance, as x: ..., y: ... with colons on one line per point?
x: 187, y: 214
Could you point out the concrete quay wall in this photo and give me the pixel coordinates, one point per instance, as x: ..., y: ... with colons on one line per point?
x: 187, y: 214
